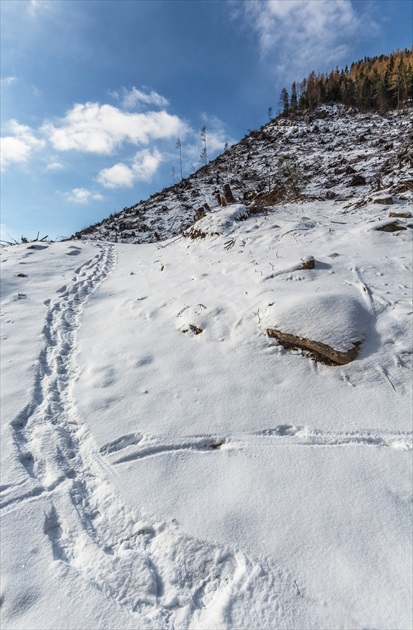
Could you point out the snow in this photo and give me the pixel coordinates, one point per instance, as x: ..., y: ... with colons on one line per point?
x: 314, y: 156
x: 336, y: 319
x: 165, y: 464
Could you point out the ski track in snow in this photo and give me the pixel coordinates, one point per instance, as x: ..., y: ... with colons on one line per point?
x: 138, y: 446
x: 164, y: 578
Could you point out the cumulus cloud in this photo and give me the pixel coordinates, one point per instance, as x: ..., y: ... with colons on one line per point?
x: 101, y: 129
x: 134, y: 98
x: 299, y: 34
x: 18, y: 147
x: 82, y: 195
x: 117, y: 176
x: 144, y: 166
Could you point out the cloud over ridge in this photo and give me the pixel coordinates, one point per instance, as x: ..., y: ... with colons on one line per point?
x: 101, y: 129
x: 120, y: 175
x: 82, y: 195
x: 299, y: 34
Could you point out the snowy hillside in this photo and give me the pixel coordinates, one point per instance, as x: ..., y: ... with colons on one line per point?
x: 166, y: 461
x: 331, y: 154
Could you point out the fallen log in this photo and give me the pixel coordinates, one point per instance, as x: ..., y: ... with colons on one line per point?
x: 400, y: 215
x: 318, y: 351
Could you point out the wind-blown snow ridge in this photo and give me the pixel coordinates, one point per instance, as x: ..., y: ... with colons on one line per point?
x: 148, y: 568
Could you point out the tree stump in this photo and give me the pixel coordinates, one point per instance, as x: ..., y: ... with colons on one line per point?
x: 229, y: 197
x: 308, y: 262
x: 199, y: 213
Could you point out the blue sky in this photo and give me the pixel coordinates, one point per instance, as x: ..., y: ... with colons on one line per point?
x: 95, y: 93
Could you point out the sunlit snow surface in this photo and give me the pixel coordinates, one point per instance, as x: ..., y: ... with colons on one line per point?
x: 165, y: 464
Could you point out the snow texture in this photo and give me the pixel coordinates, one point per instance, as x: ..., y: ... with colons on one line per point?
x: 167, y: 465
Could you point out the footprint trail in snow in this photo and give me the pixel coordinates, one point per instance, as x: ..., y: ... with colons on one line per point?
x: 165, y: 578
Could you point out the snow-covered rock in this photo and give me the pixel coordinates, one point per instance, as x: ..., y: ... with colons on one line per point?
x: 339, y: 320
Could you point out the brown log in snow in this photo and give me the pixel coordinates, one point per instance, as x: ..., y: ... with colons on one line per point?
x: 319, y: 351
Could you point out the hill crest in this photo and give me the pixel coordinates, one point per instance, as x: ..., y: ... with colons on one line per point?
x: 333, y: 153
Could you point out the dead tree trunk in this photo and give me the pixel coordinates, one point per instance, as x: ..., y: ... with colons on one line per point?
x: 229, y: 197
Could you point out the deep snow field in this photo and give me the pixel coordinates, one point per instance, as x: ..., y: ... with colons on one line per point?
x: 166, y: 464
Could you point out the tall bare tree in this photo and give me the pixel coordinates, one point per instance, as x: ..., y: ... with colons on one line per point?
x: 204, y: 153
x: 179, y: 147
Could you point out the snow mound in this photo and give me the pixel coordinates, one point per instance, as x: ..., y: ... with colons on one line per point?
x: 222, y: 221
x: 336, y: 319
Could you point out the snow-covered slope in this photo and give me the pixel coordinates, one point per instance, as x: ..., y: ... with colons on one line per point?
x: 168, y: 464
x: 331, y: 154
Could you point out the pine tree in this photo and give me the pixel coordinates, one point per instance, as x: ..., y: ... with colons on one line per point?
x: 294, y: 99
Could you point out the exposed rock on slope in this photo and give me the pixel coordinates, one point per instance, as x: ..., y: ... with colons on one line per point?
x: 330, y: 154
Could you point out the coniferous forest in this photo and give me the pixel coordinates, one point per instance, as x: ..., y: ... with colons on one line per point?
x: 373, y: 83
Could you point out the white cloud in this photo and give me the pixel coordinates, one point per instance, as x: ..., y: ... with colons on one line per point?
x: 13, y: 150
x: 82, y: 195
x: 6, y: 81
x: 143, y: 168
x: 299, y: 35
x: 134, y: 97
x: 54, y: 166
x: 100, y: 129
x: 34, y: 6
x: 17, y: 148
x: 117, y: 176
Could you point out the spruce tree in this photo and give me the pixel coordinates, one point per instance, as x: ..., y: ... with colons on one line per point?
x: 294, y: 100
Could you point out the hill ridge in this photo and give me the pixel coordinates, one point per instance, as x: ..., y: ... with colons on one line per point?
x: 331, y: 153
